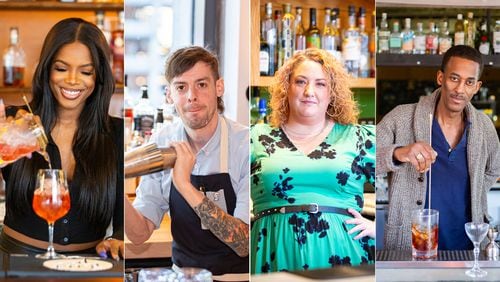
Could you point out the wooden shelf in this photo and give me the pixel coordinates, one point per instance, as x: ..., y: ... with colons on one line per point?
x: 414, y: 60
x: 56, y: 5
x: 264, y: 81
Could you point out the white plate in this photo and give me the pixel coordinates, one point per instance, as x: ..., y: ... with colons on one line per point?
x: 79, y: 264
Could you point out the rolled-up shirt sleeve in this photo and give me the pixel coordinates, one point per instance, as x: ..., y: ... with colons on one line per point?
x: 152, y: 196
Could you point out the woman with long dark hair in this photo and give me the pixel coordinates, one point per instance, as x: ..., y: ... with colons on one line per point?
x: 72, y: 89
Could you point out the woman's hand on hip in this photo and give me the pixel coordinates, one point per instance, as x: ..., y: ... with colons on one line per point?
x: 365, y: 226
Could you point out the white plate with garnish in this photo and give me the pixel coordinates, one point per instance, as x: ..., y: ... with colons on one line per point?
x: 78, y: 264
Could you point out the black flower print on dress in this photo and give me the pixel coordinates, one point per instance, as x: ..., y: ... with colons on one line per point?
x: 276, y: 138
x: 359, y: 201
x: 282, y: 186
x: 313, y: 225
x: 255, y: 170
x: 262, y: 233
x: 268, y: 143
x: 298, y: 229
x: 266, y: 267
x: 336, y: 260
x: 368, y: 248
x: 325, y: 151
x: 342, y: 178
x: 361, y: 167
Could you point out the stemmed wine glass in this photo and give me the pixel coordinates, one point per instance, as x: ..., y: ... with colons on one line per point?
x: 476, y: 233
x: 51, y: 202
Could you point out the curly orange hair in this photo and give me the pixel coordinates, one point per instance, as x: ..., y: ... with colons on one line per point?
x: 342, y: 109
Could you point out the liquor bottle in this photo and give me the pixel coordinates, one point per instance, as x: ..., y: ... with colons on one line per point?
x: 395, y: 39
x: 128, y: 115
x: 300, y: 31
x: 431, y: 40
x: 287, y: 38
x: 137, y: 139
x: 158, y: 120
x: 101, y: 24
x: 419, y: 40
x: 470, y: 36
x: 496, y: 37
x: 459, y: 31
x: 14, y: 61
x: 254, y: 104
x: 264, y: 58
x: 371, y: 45
x: 383, y: 35
x: 408, y: 38
x: 268, y: 34
x: 262, y: 111
x: 483, y: 39
x: 279, y: 46
x: 327, y: 39
x: 364, y: 63
x: 145, y: 113
x: 351, y: 45
x: 117, y: 47
x: 334, y: 20
x: 313, y: 33
x: 444, y: 38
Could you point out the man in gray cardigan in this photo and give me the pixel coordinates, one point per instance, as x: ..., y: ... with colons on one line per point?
x: 465, y: 155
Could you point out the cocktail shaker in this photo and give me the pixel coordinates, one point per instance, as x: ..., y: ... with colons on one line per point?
x: 148, y: 159
x: 492, y: 249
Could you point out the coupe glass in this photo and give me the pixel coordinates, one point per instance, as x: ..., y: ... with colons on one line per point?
x: 51, y: 202
x: 476, y: 233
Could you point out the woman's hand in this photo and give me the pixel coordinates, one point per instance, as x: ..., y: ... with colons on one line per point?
x: 366, y: 226
x: 114, y: 246
x: 15, y: 134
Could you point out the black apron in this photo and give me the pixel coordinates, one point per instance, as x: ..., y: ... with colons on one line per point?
x: 194, y: 246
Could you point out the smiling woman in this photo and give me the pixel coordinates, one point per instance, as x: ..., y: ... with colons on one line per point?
x: 72, y: 88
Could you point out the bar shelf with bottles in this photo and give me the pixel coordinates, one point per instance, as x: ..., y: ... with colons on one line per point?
x: 424, y: 38
x: 258, y: 15
x: 405, y: 74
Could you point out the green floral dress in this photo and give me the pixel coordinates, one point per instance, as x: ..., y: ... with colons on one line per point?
x: 332, y: 175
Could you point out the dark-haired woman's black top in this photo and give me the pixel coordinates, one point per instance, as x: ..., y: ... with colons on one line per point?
x: 73, y: 227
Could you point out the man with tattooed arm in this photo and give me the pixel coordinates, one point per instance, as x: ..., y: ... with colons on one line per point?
x: 206, y: 193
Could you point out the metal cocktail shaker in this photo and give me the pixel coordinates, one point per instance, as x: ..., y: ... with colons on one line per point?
x: 492, y: 249
x: 148, y: 159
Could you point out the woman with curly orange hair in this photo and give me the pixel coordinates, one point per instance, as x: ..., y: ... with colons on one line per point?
x: 308, y: 170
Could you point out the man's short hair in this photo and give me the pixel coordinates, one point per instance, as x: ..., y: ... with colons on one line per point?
x: 185, y: 58
x: 464, y: 52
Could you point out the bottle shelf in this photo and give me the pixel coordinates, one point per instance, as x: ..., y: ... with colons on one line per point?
x: 425, y: 60
x: 257, y: 8
x: 53, y: 5
x: 265, y: 81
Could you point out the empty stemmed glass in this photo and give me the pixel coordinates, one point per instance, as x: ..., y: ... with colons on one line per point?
x: 51, y: 202
x: 476, y: 233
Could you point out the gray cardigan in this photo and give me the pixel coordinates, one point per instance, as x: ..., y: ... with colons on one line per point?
x: 409, y: 123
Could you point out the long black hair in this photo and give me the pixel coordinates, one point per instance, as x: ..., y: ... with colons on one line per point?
x: 95, y: 153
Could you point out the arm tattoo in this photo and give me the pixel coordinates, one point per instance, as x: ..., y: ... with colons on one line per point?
x: 230, y: 230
